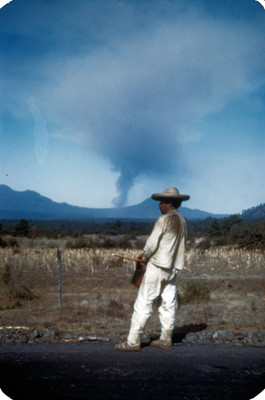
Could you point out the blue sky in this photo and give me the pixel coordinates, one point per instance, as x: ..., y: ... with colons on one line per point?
x: 105, y: 102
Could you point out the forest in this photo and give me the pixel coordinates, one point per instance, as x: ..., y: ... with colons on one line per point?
x: 230, y: 231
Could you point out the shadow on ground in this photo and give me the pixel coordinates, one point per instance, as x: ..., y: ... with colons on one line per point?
x: 180, y: 333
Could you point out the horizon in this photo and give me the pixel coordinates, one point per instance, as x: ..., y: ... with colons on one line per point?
x: 131, y: 205
x: 103, y: 104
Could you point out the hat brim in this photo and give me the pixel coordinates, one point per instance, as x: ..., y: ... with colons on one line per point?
x: 162, y: 196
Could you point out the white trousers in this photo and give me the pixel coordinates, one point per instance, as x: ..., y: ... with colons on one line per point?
x: 156, y: 281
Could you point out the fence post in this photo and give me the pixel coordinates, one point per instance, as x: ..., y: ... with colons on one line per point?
x: 59, y: 265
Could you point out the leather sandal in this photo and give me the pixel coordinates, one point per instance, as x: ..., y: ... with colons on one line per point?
x: 125, y: 346
x: 162, y: 344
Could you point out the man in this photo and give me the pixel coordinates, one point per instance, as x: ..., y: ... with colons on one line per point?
x: 164, y: 255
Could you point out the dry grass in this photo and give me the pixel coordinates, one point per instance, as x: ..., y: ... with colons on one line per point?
x: 97, y: 296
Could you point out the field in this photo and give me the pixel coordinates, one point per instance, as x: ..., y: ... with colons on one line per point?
x: 97, y: 294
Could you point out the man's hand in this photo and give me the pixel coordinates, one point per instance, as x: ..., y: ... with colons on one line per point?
x: 141, y: 257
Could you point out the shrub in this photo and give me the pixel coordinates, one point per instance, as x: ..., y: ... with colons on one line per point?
x: 22, y: 228
x: 78, y: 243
x: 23, y: 292
x: 6, y: 275
x: 16, y: 289
x: 2, y: 242
x: 8, y: 242
x: 101, y: 241
x: 248, y: 236
x: 194, y: 292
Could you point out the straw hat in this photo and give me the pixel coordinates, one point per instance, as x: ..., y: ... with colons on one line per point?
x: 170, y: 193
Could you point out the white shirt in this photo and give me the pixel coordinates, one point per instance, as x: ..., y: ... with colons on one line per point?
x: 165, y: 247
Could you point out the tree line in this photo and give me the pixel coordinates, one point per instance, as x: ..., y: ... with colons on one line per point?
x: 232, y: 230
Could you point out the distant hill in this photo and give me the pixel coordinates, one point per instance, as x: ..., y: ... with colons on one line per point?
x: 254, y: 213
x: 31, y: 205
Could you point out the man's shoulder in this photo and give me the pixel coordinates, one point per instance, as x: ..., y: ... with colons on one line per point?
x: 160, y: 219
x: 174, y: 215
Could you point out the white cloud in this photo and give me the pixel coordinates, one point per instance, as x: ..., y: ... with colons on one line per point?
x: 4, y: 2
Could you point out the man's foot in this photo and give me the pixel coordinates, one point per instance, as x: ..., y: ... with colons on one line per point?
x: 125, y: 346
x: 162, y: 344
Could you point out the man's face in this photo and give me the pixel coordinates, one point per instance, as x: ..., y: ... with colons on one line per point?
x: 165, y: 206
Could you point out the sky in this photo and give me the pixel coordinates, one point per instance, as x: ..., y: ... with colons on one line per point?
x: 103, y: 103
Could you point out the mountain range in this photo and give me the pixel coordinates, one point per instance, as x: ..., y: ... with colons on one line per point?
x: 33, y: 206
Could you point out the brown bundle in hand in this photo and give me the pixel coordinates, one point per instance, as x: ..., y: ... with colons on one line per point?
x: 139, y: 272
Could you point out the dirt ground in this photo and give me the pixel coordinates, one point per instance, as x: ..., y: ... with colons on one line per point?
x: 97, y: 299
x: 97, y: 295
